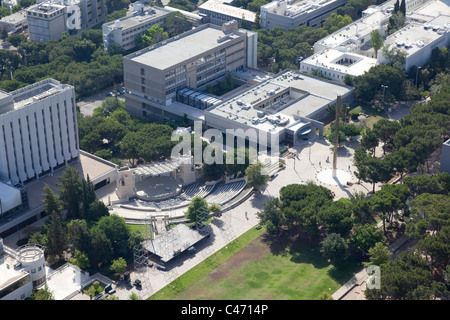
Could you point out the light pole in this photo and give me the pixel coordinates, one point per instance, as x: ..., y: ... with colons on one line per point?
x: 384, y: 88
x: 417, y: 73
x: 310, y: 150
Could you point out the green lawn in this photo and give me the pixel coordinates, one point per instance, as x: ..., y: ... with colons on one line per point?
x: 273, y: 270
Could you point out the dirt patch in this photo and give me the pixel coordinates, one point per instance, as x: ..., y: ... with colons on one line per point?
x: 254, y: 251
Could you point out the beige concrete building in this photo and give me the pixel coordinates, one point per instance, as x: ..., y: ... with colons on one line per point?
x: 193, y: 59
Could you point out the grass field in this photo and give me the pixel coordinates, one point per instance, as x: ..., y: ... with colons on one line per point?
x: 272, y: 269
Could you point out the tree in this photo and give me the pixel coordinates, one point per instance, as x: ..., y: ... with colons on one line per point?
x: 379, y: 254
x: 197, y: 210
x: 389, y: 200
x: 300, y: 204
x: 4, y: 11
x: 369, y: 140
x: 376, y: 41
x: 152, y: 36
x: 334, y: 248
x: 116, y: 230
x: 256, y: 175
x: 130, y: 146
x: 428, y: 212
x: 78, y: 234
x: 376, y: 170
x: 271, y: 216
x: 436, y: 248
x: 100, y: 250
x: 119, y: 266
x: 16, y: 39
x: 243, y: 22
x: 96, y: 210
x: 70, y: 191
x: 257, y: 22
x: 408, y: 277
x: 43, y: 294
x: 115, y: 5
x: 335, y: 22
x: 385, y: 130
x: 366, y: 237
x: 176, y: 23
x: 336, y: 218
x: 56, y: 240
x: 80, y: 259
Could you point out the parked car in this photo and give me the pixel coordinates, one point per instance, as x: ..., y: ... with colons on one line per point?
x: 121, y: 90
x: 162, y: 268
x: 110, y: 94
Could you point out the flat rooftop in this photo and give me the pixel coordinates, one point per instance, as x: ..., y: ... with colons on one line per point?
x: 328, y: 57
x: 46, y: 7
x: 173, y: 242
x: 414, y: 36
x: 433, y: 8
x: 35, y: 92
x: 356, y: 29
x: 298, y: 7
x: 9, y: 274
x: 225, y: 7
x: 307, y: 95
x: 181, y: 48
x: 86, y: 166
x: 15, y: 17
x: 135, y: 18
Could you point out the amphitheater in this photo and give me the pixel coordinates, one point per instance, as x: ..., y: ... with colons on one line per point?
x: 220, y: 193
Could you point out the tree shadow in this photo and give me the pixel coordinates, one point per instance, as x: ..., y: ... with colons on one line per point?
x: 301, y: 250
x: 342, y: 271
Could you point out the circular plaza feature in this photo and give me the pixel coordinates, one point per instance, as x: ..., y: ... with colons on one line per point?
x: 340, y: 178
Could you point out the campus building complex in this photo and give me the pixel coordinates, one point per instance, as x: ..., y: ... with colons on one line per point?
x: 51, y: 18
x: 292, y: 14
x: 153, y: 76
x: 348, y: 51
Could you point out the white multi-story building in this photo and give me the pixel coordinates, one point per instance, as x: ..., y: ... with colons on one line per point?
x: 125, y: 30
x: 348, y: 50
x: 38, y: 130
x: 21, y: 271
x: 15, y: 22
x: 222, y: 11
x: 292, y: 14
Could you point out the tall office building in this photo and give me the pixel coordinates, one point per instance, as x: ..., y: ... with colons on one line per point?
x: 38, y: 131
x: 154, y: 75
x: 49, y: 19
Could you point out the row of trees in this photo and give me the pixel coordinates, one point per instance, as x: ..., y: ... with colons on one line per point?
x: 78, y: 60
x: 410, y: 141
x: 424, y: 274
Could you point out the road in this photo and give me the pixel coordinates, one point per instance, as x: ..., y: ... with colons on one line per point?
x: 87, y: 105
